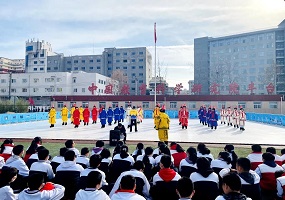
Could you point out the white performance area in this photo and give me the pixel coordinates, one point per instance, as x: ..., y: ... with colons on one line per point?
x: 255, y: 133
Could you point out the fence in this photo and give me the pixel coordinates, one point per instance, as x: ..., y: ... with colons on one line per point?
x: 38, y: 116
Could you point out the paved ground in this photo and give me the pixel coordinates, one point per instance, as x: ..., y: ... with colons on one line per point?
x: 255, y: 133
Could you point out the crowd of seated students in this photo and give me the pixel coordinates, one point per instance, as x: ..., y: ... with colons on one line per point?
x: 162, y: 173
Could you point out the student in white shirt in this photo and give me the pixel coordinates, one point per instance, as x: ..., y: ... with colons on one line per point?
x: 69, y: 144
x: 7, y: 176
x: 83, y: 159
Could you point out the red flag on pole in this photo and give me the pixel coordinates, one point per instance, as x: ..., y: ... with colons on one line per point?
x: 155, y: 38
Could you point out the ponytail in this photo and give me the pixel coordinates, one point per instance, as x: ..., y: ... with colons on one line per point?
x: 140, y: 147
x: 124, y: 151
x: 225, y: 156
x: 192, y: 154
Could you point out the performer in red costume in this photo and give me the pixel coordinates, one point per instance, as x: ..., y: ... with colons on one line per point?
x: 86, y: 115
x: 76, y: 117
x: 94, y: 115
x: 179, y: 114
x: 184, y: 117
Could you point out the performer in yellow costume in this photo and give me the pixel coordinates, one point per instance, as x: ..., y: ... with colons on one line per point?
x: 52, y: 116
x: 81, y: 109
x: 162, y: 125
x: 64, y: 115
x: 156, y: 113
x: 71, y: 113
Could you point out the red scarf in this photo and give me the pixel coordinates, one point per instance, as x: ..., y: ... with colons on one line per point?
x: 167, y: 174
x: 121, y: 190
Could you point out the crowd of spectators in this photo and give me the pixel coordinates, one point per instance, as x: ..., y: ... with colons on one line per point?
x: 167, y: 172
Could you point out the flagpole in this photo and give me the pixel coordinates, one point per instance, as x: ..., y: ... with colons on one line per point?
x: 154, y: 64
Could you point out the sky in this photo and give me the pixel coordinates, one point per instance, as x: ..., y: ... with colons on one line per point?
x: 78, y: 27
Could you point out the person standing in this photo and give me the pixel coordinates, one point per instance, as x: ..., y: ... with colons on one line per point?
x: 128, y: 118
x: 235, y: 117
x: 64, y: 115
x: 156, y: 113
x: 140, y: 114
x: 242, y: 119
x: 208, y: 115
x: 162, y: 125
x: 110, y: 115
x: 200, y: 111
x: 117, y: 114
x: 122, y: 114
x: 229, y: 116
x: 81, y: 109
x: 76, y: 117
x: 103, y: 117
x: 184, y: 114
x: 122, y: 129
x: 214, y: 119
x: 52, y: 116
x: 223, y: 115
x: 133, y: 116
x: 94, y: 115
x: 204, y: 116
x: 71, y: 112
x: 179, y: 114
x: 86, y: 115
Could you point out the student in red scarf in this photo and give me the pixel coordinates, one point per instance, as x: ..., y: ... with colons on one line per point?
x: 178, y: 153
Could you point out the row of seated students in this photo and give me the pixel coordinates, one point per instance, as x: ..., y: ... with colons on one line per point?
x: 156, y: 171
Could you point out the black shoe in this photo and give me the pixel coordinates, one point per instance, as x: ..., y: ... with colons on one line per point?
x: 71, y: 122
x: 228, y: 124
x: 62, y: 123
x: 95, y: 122
x: 234, y: 126
x: 224, y: 122
x: 215, y: 127
x: 186, y: 127
x: 65, y: 123
x: 237, y: 126
x: 211, y: 127
x: 231, y: 124
x: 84, y: 123
x: 182, y: 127
x: 87, y: 124
x: 179, y: 123
x: 136, y: 130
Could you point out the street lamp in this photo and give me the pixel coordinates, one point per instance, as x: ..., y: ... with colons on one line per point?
x: 281, y: 102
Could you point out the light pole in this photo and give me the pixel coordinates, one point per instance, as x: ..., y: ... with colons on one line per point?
x: 281, y: 102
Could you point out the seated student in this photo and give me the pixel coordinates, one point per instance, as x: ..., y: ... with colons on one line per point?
x: 205, y: 177
x: 283, y: 156
x: 57, y: 160
x: 280, y: 180
x: 99, y: 146
x: 70, y: 145
x: 165, y: 181
x: 7, y: 148
x: 37, y: 141
x: 231, y: 187
x: 122, y: 128
x: 184, y: 188
x: 83, y: 159
x: 188, y: 165
x: 106, y: 161
x: 148, y: 154
x: 223, y: 161
x: 94, y: 163
x: 7, y: 176
x: 92, y: 190
x: 250, y: 180
x: 178, y: 153
x: 231, y: 150
x: 266, y: 171
x: 278, y: 159
x: 117, y: 149
x: 203, y: 151
x: 255, y: 157
x: 148, y: 162
x: 156, y: 151
x: 127, y: 190
x: 142, y: 184
x: 139, y: 151
x: 42, y: 165
x: 164, y: 150
x: 34, y: 157
x: 36, y: 183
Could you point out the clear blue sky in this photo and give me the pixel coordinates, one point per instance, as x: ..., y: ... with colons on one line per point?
x: 74, y: 26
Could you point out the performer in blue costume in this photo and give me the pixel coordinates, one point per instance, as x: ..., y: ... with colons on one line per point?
x: 200, y: 114
x: 117, y: 114
x: 103, y: 117
x: 208, y: 116
x: 110, y: 115
x: 204, y: 116
x: 122, y: 114
x: 214, y: 119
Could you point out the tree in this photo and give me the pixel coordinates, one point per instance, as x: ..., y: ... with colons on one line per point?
x: 118, y: 75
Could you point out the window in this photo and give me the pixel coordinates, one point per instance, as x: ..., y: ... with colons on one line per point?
x: 117, y: 67
x: 125, y: 54
x: 51, y: 89
x: 117, y: 61
x: 13, y: 90
x: 42, y: 62
x: 35, y: 62
x: 41, y: 69
x: 114, y: 104
x: 257, y: 104
x: 207, y: 104
x: 125, y: 67
x: 140, y: 53
x: 84, y: 104
x: 133, y: 60
x: 140, y: 74
x: 13, y: 80
x: 140, y: 67
x: 75, y: 61
x: 91, y: 61
x: 133, y: 53
x: 102, y: 104
x: 82, y: 68
x: 35, y: 55
x: 273, y: 105
x: 24, y: 80
x: 109, y: 68
x: 68, y: 69
x: 109, y: 62
x: 192, y: 105
x: 58, y: 89
x: 221, y: 104
x: 74, y: 79
x: 173, y: 104
x: 24, y: 90
x: 140, y: 81
x: 125, y: 60
x: 68, y: 62
x: 59, y: 104
x: 242, y: 104
x: 109, y: 55
x: 145, y: 105
x: 83, y: 61
x: 55, y: 68
x: 42, y: 55
x: 74, y: 89
x: 83, y: 90
x: 140, y: 60
x: 36, y: 80
x: 133, y: 67
x: 58, y: 80
x: 75, y: 68
x: 35, y: 89
x: 72, y: 103
x: 35, y: 69
x: 133, y: 74
x: 3, y: 90
x: 98, y: 67
x: 117, y: 54
x: 3, y: 80
x: 98, y: 60
x: 133, y: 81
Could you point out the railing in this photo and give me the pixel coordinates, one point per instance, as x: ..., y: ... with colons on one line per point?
x: 38, y: 116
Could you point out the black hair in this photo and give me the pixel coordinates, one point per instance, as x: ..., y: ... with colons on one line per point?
x: 34, y: 145
x: 140, y: 147
x: 148, y: 152
x: 282, y: 151
x: 117, y: 149
x: 100, y: 143
x: 233, y: 181
x: 184, y: 187
x: 6, y: 141
x: 35, y: 181
x: 69, y: 143
x: 231, y: 149
x: 179, y: 149
x: 279, y: 173
x: 268, y: 156
x: 205, y: 151
x: 18, y: 149
x: 271, y: 150
x: 203, y: 164
x: 7, y: 174
x: 84, y: 151
x: 138, y: 165
x: 69, y: 155
x: 95, y: 160
x: 192, y: 154
x: 172, y: 143
x: 105, y: 153
x: 225, y: 156
x: 256, y: 148
x: 160, y: 143
x: 62, y: 151
x: 40, y: 148
x: 200, y: 147
x: 128, y: 182
x: 94, y: 178
x: 165, y: 160
x: 124, y: 151
x: 42, y: 154
x: 164, y: 150
x: 244, y: 163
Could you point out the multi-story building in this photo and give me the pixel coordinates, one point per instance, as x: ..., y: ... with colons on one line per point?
x: 134, y: 63
x: 254, y: 57
x: 11, y: 65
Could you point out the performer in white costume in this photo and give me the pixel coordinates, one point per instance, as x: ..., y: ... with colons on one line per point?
x: 128, y: 118
x: 235, y: 116
x: 229, y: 116
x: 242, y: 119
x: 223, y: 115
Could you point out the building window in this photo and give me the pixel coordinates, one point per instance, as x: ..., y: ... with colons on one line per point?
x: 35, y: 62
x: 140, y: 60
x: 133, y: 74
x: 125, y: 54
x: 273, y: 105
x: 68, y: 62
x: 140, y: 74
x: 125, y: 60
x: 133, y: 81
x: 125, y: 67
x: 257, y: 105
x: 42, y: 62
x: 68, y: 69
x: 221, y: 104
x: 3, y: 80
x: 109, y: 62
x: 102, y: 104
x: 127, y: 103
x: 133, y: 53
x: 140, y: 53
x: 173, y: 104
x: 140, y: 67
x: 58, y: 89
x: 83, y: 61
x: 82, y: 68
x: 140, y: 81
x: 13, y: 80
x: 74, y: 89
x: 84, y: 104
x: 24, y: 90
x: 35, y: 69
x: 91, y: 68
x: 192, y: 105
x: 13, y: 90
x: 98, y: 67
x: 109, y: 55
x: 98, y: 60
x: 59, y: 104
x: 117, y: 54
x: 41, y: 69
x: 83, y: 90
x: 242, y: 104
x: 75, y: 61
x: 133, y: 67
x: 75, y: 68
x: 3, y: 90
x: 117, y: 67
x: 207, y: 104
x: 133, y: 60
x: 74, y: 79
x: 114, y: 104
x: 24, y: 80
x: 91, y: 61
x: 35, y: 89
x: 145, y: 105
x: 117, y: 61
x: 55, y: 68
x: 36, y: 80
x: 109, y: 68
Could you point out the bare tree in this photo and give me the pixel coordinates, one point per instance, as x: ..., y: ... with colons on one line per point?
x: 118, y: 75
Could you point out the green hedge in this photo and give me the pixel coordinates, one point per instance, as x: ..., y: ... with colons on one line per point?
x: 17, y: 106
